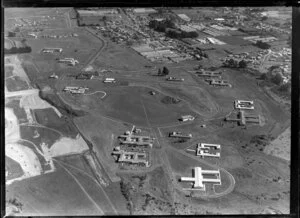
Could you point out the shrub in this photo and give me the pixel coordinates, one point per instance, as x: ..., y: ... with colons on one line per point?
x: 277, y: 79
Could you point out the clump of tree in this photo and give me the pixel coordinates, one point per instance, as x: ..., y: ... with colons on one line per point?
x: 263, y: 76
x: 277, y: 79
x: 262, y: 45
x: 168, y: 26
x: 16, y: 203
x: 264, y: 18
x: 15, y: 50
x: 125, y: 190
x: 261, y: 141
x: 289, y: 41
x: 11, y: 34
x: 232, y: 63
x: 163, y: 72
x: 242, y: 64
x: 161, y: 26
x: 285, y: 88
x: 173, y: 33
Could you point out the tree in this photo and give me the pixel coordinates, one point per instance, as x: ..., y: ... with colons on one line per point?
x: 289, y: 41
x: 285, y: 87
x: 262, y: 45
x: 263, y: 76
x: 159, y: 72
x: 264, y: 18
x: 242, y: 64
x: 11, y: 34
x: 165, y: 71
x: 277, y: 79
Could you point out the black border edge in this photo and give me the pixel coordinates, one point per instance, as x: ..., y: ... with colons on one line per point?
x: 2, y: 134
x: 295, y: 117
x: 294, y: 197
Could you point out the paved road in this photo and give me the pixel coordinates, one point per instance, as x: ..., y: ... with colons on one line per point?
x: 93, y: 58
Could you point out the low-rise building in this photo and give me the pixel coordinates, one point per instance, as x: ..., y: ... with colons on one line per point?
x: 216, y: 82
x: 186, y: 118
x: 241, y: 104
x: 109, y: 80
x: 184, y: 17
x: 52, y: 50
x: 175, y: 79
x: 208, y: 150
x: 135, y: 140
x: 199, y: 178
x: 180, y: 135
x: 139, y: 158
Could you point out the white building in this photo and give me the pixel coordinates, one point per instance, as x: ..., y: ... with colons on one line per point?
x: 241, y: 104
x: 184, y: 17
x: 199, y: 179
x: 144, y: 10
x: 109, y: 80
x: 208, y: 150
x: 187, y: 118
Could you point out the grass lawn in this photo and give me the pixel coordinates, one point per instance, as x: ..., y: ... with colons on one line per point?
x: 48, y: 117
x: 8, y: 71
x: 13, y: 168
x: 18, y: 111
x: 16, y: 84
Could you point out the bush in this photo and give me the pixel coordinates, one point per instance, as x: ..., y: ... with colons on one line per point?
x: 165, y: 71
x: 263, y: 76
x: 277, y: 79
x: 15, y: 50
x: 11, y: 34
x: 262, y: 45
x: 285, y: 87
x: 170, y: 100
x: 242, y: 64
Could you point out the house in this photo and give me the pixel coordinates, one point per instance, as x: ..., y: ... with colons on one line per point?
x: 187, y: 118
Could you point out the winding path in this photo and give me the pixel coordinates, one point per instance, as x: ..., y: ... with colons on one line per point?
x: 104, y: 93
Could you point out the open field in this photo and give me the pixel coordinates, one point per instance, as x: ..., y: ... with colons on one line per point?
x: 18, y: 111
x: 79, y: 48
x: 131, y: 109
x: 182, y: 165
x: 45, y: 135
x: 281, y: 146
x: 8, y: 44
x: 39, y: 21
x: 13, y: 168
x: 28, y: 12
x: 117, y: 57
x: 232, y: 40
x: 35, y: 149
x: 48, y: 117
x: 16, y: 84
x: 54, y: 194
x: 8, y: 71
